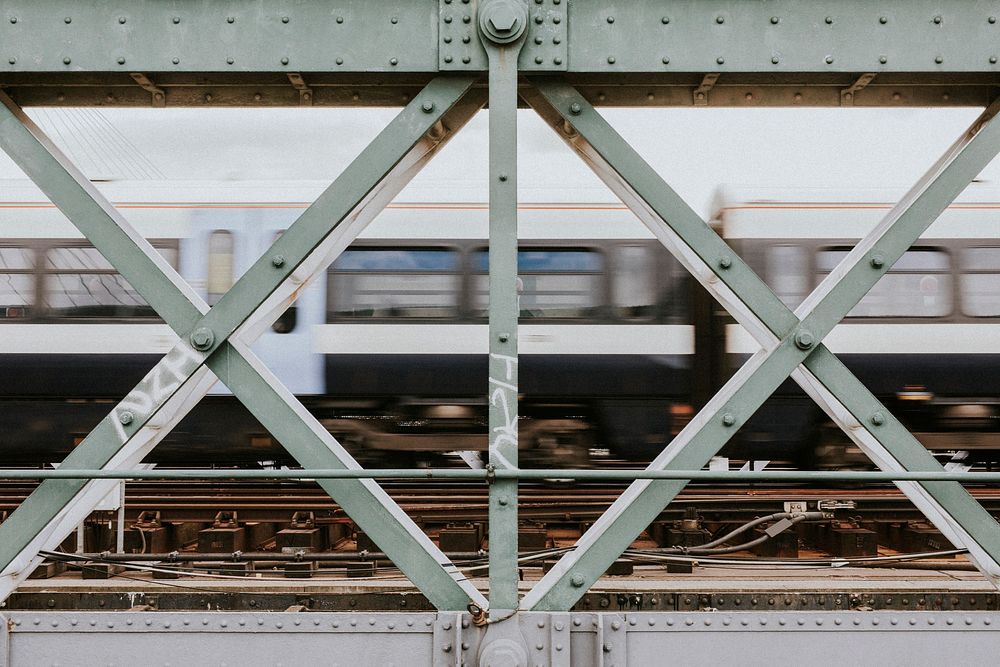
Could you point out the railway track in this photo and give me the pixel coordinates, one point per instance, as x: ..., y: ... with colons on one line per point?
x: 196, y: 501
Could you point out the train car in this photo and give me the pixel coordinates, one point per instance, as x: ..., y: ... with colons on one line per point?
x: 925, y: 340
x: 388, y: 350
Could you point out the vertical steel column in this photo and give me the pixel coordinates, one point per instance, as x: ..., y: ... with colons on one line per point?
x: 503, y: 25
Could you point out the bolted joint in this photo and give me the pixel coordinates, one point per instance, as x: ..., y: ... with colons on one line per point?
x: 577, y: 580
x: 877, y: 261
x: 504, y: 651
x: 202, y: 338
x: 503, y: 21
x: 125, y: 418
x: 804, y: 339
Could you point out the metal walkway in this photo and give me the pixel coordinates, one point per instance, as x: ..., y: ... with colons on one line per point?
x: 442, y: 61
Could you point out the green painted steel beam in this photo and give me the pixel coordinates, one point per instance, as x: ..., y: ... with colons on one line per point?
x: 427, y: 36
x: 503, y: 45
x: 732, y: 53
x: 470, y: 474
x: 262, y: 394
x: 765, y: 371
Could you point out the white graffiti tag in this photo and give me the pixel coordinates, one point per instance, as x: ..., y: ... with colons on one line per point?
x: 158, y: 385
x: 503, y: 395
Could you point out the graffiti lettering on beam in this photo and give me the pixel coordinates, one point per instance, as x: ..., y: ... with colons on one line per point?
x: 161, y: 382
x: 504, y: 395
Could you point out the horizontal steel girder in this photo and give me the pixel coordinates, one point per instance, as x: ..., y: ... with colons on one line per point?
x: 644, y: 52
x: 557, y: 639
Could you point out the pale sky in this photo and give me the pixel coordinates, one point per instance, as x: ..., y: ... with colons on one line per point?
x: 694, y: 149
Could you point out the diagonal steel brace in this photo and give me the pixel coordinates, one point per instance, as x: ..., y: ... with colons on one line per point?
x: 255, y: 301
x: 786, y: 339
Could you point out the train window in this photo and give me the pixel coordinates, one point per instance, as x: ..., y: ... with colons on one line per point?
x: 17, y: 281
x: 80, y: 282
x: 220, y: 265
x: 634, y: 281
x: 787, y: 273
x: 552, y: 283
x: 918, y: 285
x: 397, y: 282
x: 980, y: 282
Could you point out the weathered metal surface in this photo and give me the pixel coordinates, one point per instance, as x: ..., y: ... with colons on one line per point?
x: 550, y: 639
x: 697, y: 595
x: 412, y: 36
x: 502, y: 26
x: 646, y: 52
x: 679, y: 52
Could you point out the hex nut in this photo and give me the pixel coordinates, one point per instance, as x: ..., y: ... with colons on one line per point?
x: 202, y: 338
x: 503, y: 21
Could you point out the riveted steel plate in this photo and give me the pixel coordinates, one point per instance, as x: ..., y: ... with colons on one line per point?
x: 549, y: 639
x: 237, y: 36
x: 545, y: 46
x: 784, y: 36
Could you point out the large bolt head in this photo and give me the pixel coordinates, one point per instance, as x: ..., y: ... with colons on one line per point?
x: 202, y: 338
x: 804, y: 339
x: 503, y: 652
x: 503, y: 21
x: 503, y: 18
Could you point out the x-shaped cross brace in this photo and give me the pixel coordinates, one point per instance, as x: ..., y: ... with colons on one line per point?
x: 216, y: 340
x: 791, y: 342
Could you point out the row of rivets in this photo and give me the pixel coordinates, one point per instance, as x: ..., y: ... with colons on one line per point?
x: 819, y: 621
x: 822, y: 599
x: 726, y: 262
x: 776, y: 60
x: 461, y: 35
x: 223, y: 623
x: 775, y: 20
x: 177, y: 19
x: 229, y: 60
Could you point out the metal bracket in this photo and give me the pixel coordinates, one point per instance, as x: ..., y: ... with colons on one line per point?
x: 447, y: 644
x: 559, y: 639
x: 611, y: 635
x: 847, y: 94
x: 305, y: 92
x: 159, y: 97
x: 460, y: 47
x: 546, y: 49
x: 700, y: 95
x: 504, y: 644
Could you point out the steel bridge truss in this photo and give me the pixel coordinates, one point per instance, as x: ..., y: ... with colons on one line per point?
x: 567, y: 52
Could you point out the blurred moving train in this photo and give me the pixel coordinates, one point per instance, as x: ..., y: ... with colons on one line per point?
x: 619, y: 346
